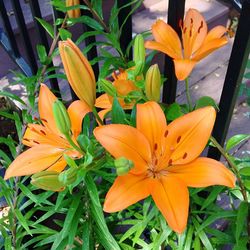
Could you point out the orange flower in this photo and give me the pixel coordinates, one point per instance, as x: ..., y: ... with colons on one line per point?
x: 75, y: 12
x: 79, y: 72
x: 196, y: 42
x: 165, y: 160
x: 123, y: 86
x: 47, y: 144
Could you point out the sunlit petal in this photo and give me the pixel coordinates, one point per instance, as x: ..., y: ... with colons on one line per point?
x: 183, y: 68
x: 203, y: 172
x: 126, y: 191
x: 103, y: 102
x: 77, y: 110
x: 34, y: 160
x: 122, y: 140
x: 215, y: 33
x: 171, y: 197
x: 189, y: 134
x: 151, y: 121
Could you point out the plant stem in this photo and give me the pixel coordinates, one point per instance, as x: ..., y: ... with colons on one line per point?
x: 235, y: 170
x: 97, y: 116
x: 71, y: 142
x: 96, y: 16
x: 190, y: 105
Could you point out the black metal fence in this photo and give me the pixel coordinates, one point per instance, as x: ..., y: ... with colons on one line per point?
x: 237, y: 63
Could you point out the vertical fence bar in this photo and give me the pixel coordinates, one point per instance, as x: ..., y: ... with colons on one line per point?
x: 234, y: 75
x: 92, y: 53
x: 126, y: 34
x: 176, y: 9
x: 36, y: 12
x: 8, y: 29
x: 25, y: 35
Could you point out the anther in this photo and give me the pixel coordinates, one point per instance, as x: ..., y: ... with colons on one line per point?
x: 178, y: 139
x: 156, y: 161
x: 199, y: 29
x: 190, y: 33
x: 42, y: 132
x: 170, y: 162
x: 191, y: 20
x: 180, y: 23
x: 166, y: 133
x: 36, y: 142
x: 25, y: 139
x: 155, y: 146
x: 184, y: 156
x: 185, y: 29
x: 43, y: 120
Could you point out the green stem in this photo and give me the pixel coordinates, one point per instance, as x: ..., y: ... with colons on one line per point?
x: 97, y: 116
x: 190, y: 105
x: 71, y: 142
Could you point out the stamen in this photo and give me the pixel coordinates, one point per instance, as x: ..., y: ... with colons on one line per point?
x: 170, y: 162
x: 184, y: 156
x: 185, y: 29
x: 36, y: 142
x: 190, y: 33
x: 25, y: 139
x: 155, y: 146
x: 191, y: 20
x: 156, y: 161
x: 166, y: 133
x: 178, y: 139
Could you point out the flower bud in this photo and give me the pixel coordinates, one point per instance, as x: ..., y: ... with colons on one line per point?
x: 47, y: 180
x: 74, y: 13
x: 108, y: 87
x: 153, y: 83
x: 123, y: 165
x: 139, y: 54
x: 61, y: 117
x: 78, y: 71
x: 68, y: 176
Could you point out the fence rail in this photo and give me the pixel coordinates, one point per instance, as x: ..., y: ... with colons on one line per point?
x: 176, y: 9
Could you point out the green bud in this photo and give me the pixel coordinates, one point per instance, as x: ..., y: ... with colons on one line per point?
x: 68, y: 176
x: 108, y: 87
x: 61, y: 117
x: 47, y: 180
x: 153, y: 83
x: 139, y: 49
x: 139, y: 54
x: 123, y: 165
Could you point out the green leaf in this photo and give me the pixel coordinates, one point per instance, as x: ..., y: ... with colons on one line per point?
x: 247, y: 184
x: 241, y: 220
x: 92, y: 23
x: 206, y: 101
x: 245, y: 171
x: 247, y: 75
x: 49, y: 28
x: 11, y: 96
x: 64, y: 34
x: 173, y: 112
x: 189, y: 238
x: 42, y: 54
x: 22, y: 221
x: 117, y: 113
x: 235, y: 140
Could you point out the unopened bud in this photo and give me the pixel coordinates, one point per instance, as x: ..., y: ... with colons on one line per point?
x: 47, y: 180
x: 61, y: 117
x: 68, y: 176
x: 108, y: 87
x: 74, y: 13
x: 123, y: 166
x: 139, y: 54
x: 153, y: 83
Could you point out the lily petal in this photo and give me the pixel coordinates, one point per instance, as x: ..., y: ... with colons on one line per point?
x: 203, y: 172
x: 172, y: 198
x: 215, y: 33
x: 166, y: 35
x: 189, y: 134
x: 194, y: 32
x: 125, y: 141
x: 151, y: 121
x: 77, y: 110
x: 103, y: 102
x: 126, y: 191
x: 164, y: 48
x: 37, y: 134
x: 34, y: 160
x: 209, y: 47
x: 183, y: 68
x: 45, y: 107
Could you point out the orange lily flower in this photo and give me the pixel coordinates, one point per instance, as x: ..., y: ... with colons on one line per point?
x: 123, y: 86
x: 165, y: 160
x: 197, y: 43
x: 47, y: 144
